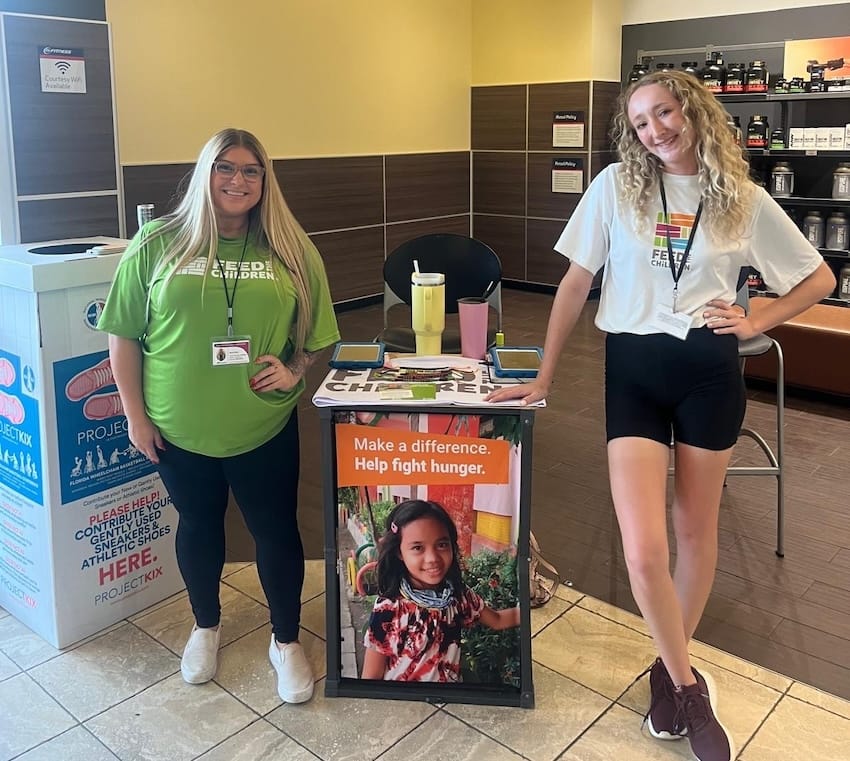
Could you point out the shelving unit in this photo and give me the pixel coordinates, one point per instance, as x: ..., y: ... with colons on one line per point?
x: 812, y: 168
x: 789, y: 154
x: 772, y: 97
x: 812, y: 203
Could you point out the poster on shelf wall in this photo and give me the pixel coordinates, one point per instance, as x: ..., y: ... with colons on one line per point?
x: 427, y: 536
x: 831, y: 52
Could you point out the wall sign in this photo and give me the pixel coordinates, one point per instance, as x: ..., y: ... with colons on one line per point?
x: 567, y: 175
x: 568, y: 129
x: 62, y: 69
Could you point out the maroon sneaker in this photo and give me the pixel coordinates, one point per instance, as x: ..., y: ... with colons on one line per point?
x: 695, y: 705
x: 661, y: 717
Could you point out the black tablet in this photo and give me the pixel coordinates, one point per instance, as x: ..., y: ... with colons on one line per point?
x: 357, y: 356
x: 516, y: 361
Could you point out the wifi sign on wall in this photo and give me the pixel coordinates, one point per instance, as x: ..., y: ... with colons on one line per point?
x: 63, y: 70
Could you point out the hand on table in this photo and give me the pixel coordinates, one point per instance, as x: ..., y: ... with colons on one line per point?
x: 527, y: 393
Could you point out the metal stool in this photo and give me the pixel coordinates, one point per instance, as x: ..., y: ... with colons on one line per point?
x: 754, y: 347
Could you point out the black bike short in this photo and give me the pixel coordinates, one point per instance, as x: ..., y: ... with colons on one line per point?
x: 662, y: 388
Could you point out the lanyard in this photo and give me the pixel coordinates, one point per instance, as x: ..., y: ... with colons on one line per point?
x: 228, y: 296
x: 677, y: 273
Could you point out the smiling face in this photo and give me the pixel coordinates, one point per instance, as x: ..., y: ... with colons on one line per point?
x: 657, y: 118
x: 234, y: 197
x: 426, y: 551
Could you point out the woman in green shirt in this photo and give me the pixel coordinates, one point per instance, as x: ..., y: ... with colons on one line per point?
x: 215, y: 313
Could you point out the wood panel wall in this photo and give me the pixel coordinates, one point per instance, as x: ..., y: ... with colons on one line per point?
x: 356, y: 209
x: 513, y: 207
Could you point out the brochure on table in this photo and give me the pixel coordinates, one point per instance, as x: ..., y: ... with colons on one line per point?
x: 87, y: 527
x: 409, y: 379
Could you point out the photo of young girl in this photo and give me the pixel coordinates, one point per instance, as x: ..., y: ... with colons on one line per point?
x: 423, y: 606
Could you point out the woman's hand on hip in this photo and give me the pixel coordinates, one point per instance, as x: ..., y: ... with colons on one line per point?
x: 723, y: 317
x: 527, y: 393
x: 276, y: 376
x: 145, y: 436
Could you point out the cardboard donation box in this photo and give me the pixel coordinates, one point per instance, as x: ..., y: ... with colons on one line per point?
x: 86, y: 526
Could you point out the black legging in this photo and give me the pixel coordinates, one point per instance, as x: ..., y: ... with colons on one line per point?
x: 265, y: 484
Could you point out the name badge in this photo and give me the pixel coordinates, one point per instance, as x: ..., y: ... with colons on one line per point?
x: 231, y: 350
x: 665, y: 320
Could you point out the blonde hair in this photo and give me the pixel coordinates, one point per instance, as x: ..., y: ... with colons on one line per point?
x: 724, y: 174
x: 195, y: 229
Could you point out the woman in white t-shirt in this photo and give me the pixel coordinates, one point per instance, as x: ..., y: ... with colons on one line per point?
x: 673, y: 224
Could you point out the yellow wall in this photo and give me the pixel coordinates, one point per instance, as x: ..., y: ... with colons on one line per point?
x: 545, y: 40
x: 309, y: 77
x: 530, y: 41
x: 607, y: 35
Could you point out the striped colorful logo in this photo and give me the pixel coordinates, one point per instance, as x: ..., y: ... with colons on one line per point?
x: 678, y: 229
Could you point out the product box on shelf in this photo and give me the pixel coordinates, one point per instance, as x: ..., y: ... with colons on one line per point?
x: 822, y: 138
x: 796, y: 139
x: 847, y: 138
x: 836, y: 138
x: 810, y: 138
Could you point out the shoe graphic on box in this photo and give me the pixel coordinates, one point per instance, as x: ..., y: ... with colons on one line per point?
x: 89, y: 380
x: 11, y: 408
x: 102, y: 406
x: 7, y: 372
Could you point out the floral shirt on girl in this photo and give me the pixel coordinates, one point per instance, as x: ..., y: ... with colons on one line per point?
x: 421, y: 644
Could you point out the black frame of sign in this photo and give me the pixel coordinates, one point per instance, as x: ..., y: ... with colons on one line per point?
x: 337, y: 685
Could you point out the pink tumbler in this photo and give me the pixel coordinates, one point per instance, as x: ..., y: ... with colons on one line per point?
x: 473, y: 313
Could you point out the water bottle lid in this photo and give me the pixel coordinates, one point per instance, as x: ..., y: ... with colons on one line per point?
x: 427, y: 278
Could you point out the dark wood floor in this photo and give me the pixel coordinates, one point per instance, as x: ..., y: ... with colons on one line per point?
x: 791, y: 615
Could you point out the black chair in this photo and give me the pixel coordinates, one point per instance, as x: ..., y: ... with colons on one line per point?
x: 469, y: 265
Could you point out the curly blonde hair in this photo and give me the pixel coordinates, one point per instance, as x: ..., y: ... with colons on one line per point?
x: 724, y: 174
x: 195, y: 230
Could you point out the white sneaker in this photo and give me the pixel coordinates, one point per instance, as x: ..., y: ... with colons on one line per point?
x: 294, y: 675
x: 200, y: 655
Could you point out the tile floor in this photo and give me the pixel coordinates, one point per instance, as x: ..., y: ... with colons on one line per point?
x: 119, y: 695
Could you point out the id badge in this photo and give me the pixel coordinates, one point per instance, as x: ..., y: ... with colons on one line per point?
x: 231, y: 350
x: 665, y: 320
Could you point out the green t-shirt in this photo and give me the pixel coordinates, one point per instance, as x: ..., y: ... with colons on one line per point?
x: 206, y: 409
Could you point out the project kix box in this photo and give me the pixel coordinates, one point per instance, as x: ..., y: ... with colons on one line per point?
x: 88, y: 526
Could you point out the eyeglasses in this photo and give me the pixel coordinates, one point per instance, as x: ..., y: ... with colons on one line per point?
x: 251, y: 172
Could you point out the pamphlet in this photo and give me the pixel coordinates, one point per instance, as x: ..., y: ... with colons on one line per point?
x: 408, y: 379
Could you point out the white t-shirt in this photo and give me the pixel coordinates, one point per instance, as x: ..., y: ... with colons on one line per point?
x: 637, y: 278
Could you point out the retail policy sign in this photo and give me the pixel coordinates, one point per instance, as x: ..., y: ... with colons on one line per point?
x: 62, y: 69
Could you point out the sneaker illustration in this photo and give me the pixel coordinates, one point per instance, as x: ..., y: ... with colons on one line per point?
x: 102, y: 406
x: 11, y: 408
x: 7, y: 372
x: 695, y: 706
x: 89, y: 380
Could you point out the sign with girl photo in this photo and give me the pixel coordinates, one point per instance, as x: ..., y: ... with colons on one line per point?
x: 429, y: 592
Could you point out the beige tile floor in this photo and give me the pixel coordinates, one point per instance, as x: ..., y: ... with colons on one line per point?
x: 119, y: 695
